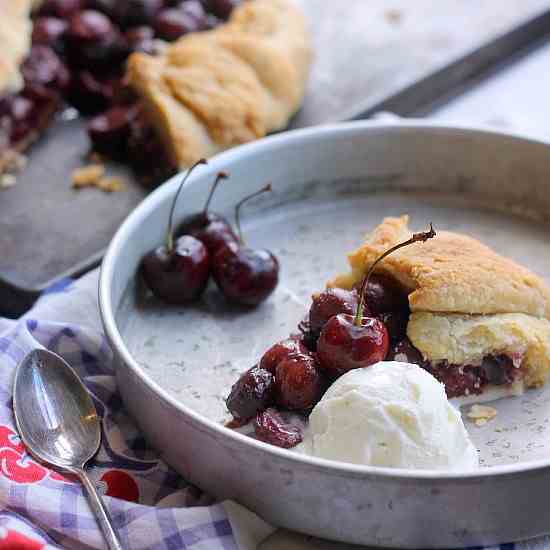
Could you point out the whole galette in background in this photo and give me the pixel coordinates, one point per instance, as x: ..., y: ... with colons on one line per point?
x: 236, y: 83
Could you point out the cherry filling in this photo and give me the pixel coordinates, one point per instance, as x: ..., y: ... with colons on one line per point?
x: 292, y: 374
x: 460, y: 380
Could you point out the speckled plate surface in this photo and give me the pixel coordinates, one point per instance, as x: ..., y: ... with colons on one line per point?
x: 331, y: 186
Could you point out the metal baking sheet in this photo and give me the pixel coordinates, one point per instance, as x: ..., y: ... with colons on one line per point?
x: 369, y: 57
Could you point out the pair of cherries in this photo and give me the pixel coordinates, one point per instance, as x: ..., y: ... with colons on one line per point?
x: 178, y: 271
x: 345, y: 330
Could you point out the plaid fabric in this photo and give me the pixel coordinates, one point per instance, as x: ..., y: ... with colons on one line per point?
x: 152, y: 507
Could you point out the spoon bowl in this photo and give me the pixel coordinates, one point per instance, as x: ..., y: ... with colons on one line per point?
x: 56, y: 416
x: 58, y: 422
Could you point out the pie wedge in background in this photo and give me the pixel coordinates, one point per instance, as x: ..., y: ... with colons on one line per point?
x: 236, y: 83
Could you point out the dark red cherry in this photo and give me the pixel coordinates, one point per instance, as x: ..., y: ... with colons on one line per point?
x: 221, y: 8
x: 89, y: 94
x: 49, y: 31
x: 42, y: 67
x: 210, y: 228
x: 141, y: 39
x: 344, y: 345
x: 93, y: 41
x: 384, y: 294
x: 405, y: 352
x: 21, y: 112
x: 177, y: 272
x: 172, y: 23
x: 349, y: 342
x: 396, y: 322
x: 61, y: 8
x: 280, y: 351
x: 252, y: 392
x: 195, y: 9
x: 299, y: 384
x: 109, y: 132
x: 146, y: 151
x: 130, y: 13
x: 89, y: 26
x: 270, y: 428
x: 328, y: 303
x: 180, y: 275
x: 245, y: 276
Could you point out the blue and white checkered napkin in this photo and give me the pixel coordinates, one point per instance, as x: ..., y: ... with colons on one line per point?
x: 152, y: 507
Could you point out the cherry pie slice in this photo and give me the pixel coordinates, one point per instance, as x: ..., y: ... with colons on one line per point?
x: 477, y: 320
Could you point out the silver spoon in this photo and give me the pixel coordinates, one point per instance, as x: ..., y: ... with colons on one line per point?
x: 58, y: 423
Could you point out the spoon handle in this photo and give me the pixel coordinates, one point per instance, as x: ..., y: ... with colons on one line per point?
x: 98, y: 507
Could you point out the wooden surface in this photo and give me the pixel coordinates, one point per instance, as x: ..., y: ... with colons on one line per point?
x: 364, y: 51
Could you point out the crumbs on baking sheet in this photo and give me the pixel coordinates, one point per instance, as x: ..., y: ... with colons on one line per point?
x: 93, y: 175
x: 393, y: 16
x: 481, y: 414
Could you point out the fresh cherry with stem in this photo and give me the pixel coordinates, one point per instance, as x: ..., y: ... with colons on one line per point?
x: 350, y: 342
x: 212, y: 229
x: 178, y: 271
x: 245, y: 275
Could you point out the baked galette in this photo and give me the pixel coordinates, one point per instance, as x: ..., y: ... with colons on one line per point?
x: 476, y: 320
x: 166, y: 82
x: 236, y: 83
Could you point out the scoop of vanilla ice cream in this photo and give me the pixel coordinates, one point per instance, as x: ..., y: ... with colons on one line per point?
x: 389, y: 414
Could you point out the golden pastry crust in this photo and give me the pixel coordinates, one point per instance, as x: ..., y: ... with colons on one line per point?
x: 450, y: 273
x: 211, y: 90
x: 15, y: 39
x: 467, y: 339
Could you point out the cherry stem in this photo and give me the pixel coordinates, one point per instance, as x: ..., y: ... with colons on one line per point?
x: 264, y: 189
x: 170, y: 229
x: 221, y: 176
x: 416, y: 237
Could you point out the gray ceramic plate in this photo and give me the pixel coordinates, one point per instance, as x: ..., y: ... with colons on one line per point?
x: 331, y: 185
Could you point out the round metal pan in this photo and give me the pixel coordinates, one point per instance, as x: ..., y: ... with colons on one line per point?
x: 331, y: 185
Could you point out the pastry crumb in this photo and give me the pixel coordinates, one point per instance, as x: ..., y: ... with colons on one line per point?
x: 7, y: 180
x: 110, y: 184
x: 93, y: 175
x: 393, y: 16
x: 481, y: 414
x: 87, y: 176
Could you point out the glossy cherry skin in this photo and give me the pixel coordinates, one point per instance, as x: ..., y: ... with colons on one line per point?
x: 93, y: 41
x: 89, y: 94
x: 221, y: 8
x: 49, y: 31
x: 252, y: 392
x: 343, y: 346
x: 130, y: 13
x: 329, y: 303
x: 109, y: 132
x: 244, y: 275
x: 299, y: 384
x: 172, y: 23
x: 384, y: 294
x: 43, y: 67
x: 180, y: 276
x: 270, y: 427
x: 60, y: 8
x: 281, y: 351
x: 141, y: 39
x: 212, y: 229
